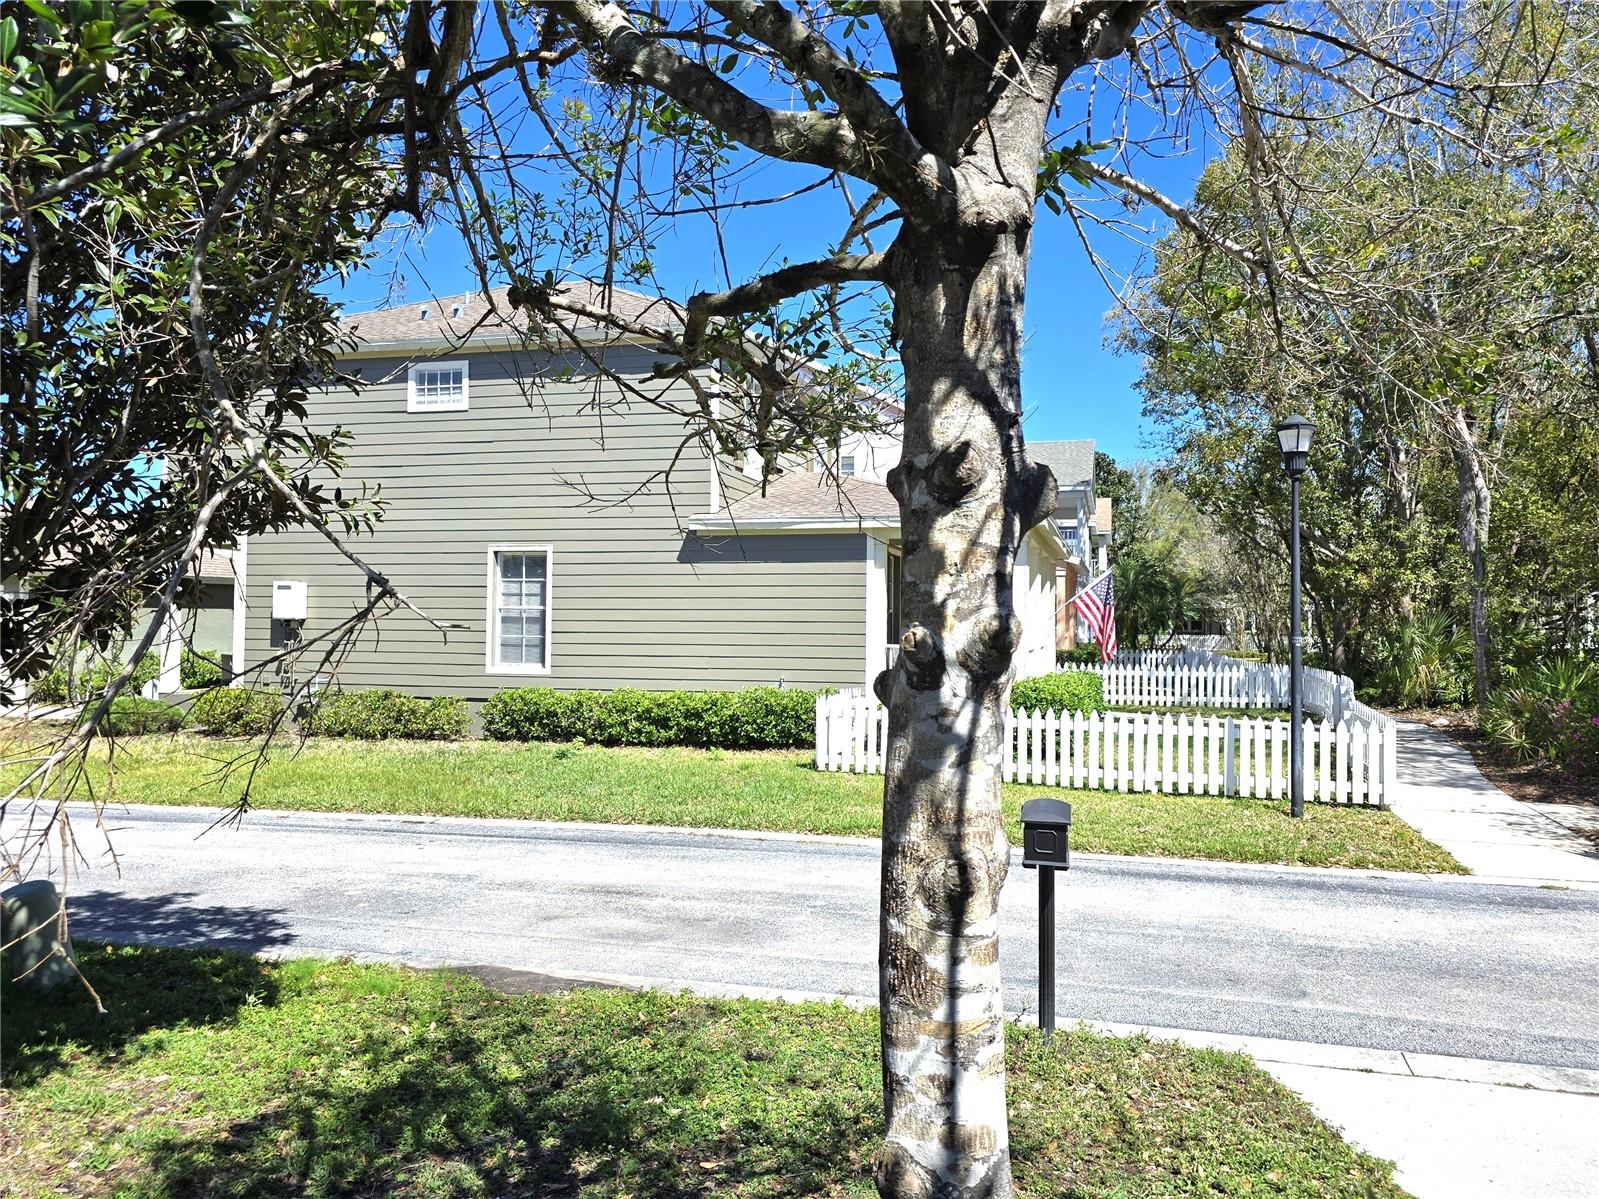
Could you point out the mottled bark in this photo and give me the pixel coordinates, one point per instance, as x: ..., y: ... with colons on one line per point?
x: 967, y: 497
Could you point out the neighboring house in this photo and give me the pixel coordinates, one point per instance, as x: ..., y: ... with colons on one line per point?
x: 209, y: 617
x: 208, y: 621
x: 1084, y: 521
x: 535, y: 512
x: 853, y: 508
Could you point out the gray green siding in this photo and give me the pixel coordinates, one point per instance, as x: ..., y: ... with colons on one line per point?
x: 635, y: 601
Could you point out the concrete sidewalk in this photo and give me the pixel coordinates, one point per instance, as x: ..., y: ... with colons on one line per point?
x: 1455, y: 1128
x: 1444, y: 797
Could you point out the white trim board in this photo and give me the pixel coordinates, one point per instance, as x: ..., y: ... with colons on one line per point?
x: 876, y: 624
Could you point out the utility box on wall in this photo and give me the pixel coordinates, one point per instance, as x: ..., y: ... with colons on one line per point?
x: 288, y: 599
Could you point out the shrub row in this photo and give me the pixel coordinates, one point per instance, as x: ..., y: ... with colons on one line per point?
x: 199, y: 669
x: 385, y: 715
x: 134, y: 716
x: 760, y: 718
x: 1066, y: 691
x: 91, y: 679
x: 236, y: 711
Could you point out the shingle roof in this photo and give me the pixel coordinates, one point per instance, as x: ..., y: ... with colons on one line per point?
x: 214, y: 564
x: 815, y: 497
x: 1072, y: 461
x: 481, y: 314
x: 488, y: 315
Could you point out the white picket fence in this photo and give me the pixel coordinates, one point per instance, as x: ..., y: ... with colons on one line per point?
x: 1205, y: 679
x: 1347, y: 761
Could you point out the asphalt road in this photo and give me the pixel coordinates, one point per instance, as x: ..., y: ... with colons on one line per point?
x: 1430, y: 965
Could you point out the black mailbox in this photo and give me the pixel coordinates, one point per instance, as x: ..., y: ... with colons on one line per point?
x: 1046, y: 833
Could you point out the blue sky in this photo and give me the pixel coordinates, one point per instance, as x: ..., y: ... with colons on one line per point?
x: 1074, y: 384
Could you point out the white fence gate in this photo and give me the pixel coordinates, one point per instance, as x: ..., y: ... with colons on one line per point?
x: 1347, y: 761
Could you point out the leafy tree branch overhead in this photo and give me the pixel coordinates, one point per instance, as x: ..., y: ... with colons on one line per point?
x: 182, y: 182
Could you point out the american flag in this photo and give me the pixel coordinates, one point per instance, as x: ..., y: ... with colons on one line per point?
x: 1096, y: 603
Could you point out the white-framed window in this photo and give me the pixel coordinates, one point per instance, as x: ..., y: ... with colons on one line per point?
x: 518, y: 622
x: 846, y: 465
x: 437, y: 387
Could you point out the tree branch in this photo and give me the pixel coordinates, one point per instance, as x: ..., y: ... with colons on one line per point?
x: 912, y: 174
x: 819, y: 138
x: 1177, y: 212
x: 780, y: 285
x: 187, y: 120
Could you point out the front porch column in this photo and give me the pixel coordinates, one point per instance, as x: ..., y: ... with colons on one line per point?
x: 876, y: 658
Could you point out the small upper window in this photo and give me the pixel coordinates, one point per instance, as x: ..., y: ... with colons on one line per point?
x: 437, y: 387
x: 456, y: 310
x: 846, y: 465
x: 426, y: 312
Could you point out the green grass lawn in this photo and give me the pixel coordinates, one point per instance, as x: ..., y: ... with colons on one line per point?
x: 777, y: 791
x: 221, y: 1075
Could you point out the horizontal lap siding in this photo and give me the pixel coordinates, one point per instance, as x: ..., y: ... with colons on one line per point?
x: 635, y: 600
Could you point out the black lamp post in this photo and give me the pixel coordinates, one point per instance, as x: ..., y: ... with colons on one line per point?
x: 1293, y: 439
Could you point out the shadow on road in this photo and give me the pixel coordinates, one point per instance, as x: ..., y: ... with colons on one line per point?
x: 175, y: 919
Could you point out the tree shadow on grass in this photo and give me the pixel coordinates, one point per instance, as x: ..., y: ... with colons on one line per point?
x: 142, y: 985
x: 479, y: 1094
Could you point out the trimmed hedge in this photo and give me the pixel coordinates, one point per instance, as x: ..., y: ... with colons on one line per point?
x: 236, y: 711
x: 382, y: 715
x: 1066, y: 691
x: 760, y: 718
x: 133, y: 716
x: 199, y: 669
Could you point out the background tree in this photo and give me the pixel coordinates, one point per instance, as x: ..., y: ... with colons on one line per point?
x: 1119, y: 485
x: 949, y: 116
x: 1436, y: 298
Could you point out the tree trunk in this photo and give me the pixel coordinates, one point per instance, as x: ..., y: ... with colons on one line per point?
x: 967, y: 496
x: 1473, y: 506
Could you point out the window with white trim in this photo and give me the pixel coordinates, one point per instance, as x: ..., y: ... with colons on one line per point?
x: 437, y: 387
x: 519, y: 609
x: 846, y: 465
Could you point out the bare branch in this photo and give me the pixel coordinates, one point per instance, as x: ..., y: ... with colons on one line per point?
x: 1177, y: 212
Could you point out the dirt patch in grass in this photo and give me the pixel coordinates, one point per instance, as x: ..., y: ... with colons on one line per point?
x: 338, y: 1079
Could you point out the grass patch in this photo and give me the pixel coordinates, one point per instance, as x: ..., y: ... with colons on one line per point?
x: 774, y: 790
x: 221, y: 1075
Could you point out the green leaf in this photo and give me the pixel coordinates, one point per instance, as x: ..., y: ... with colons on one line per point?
x: 8, y: 38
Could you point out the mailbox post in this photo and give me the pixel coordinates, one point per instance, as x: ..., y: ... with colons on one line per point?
x: 1046, y: 847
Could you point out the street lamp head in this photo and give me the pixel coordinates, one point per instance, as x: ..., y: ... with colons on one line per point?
x: 1293, y: 439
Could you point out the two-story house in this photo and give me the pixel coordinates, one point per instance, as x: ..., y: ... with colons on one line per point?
x: 1084, y: 523
x: 562, y: 535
